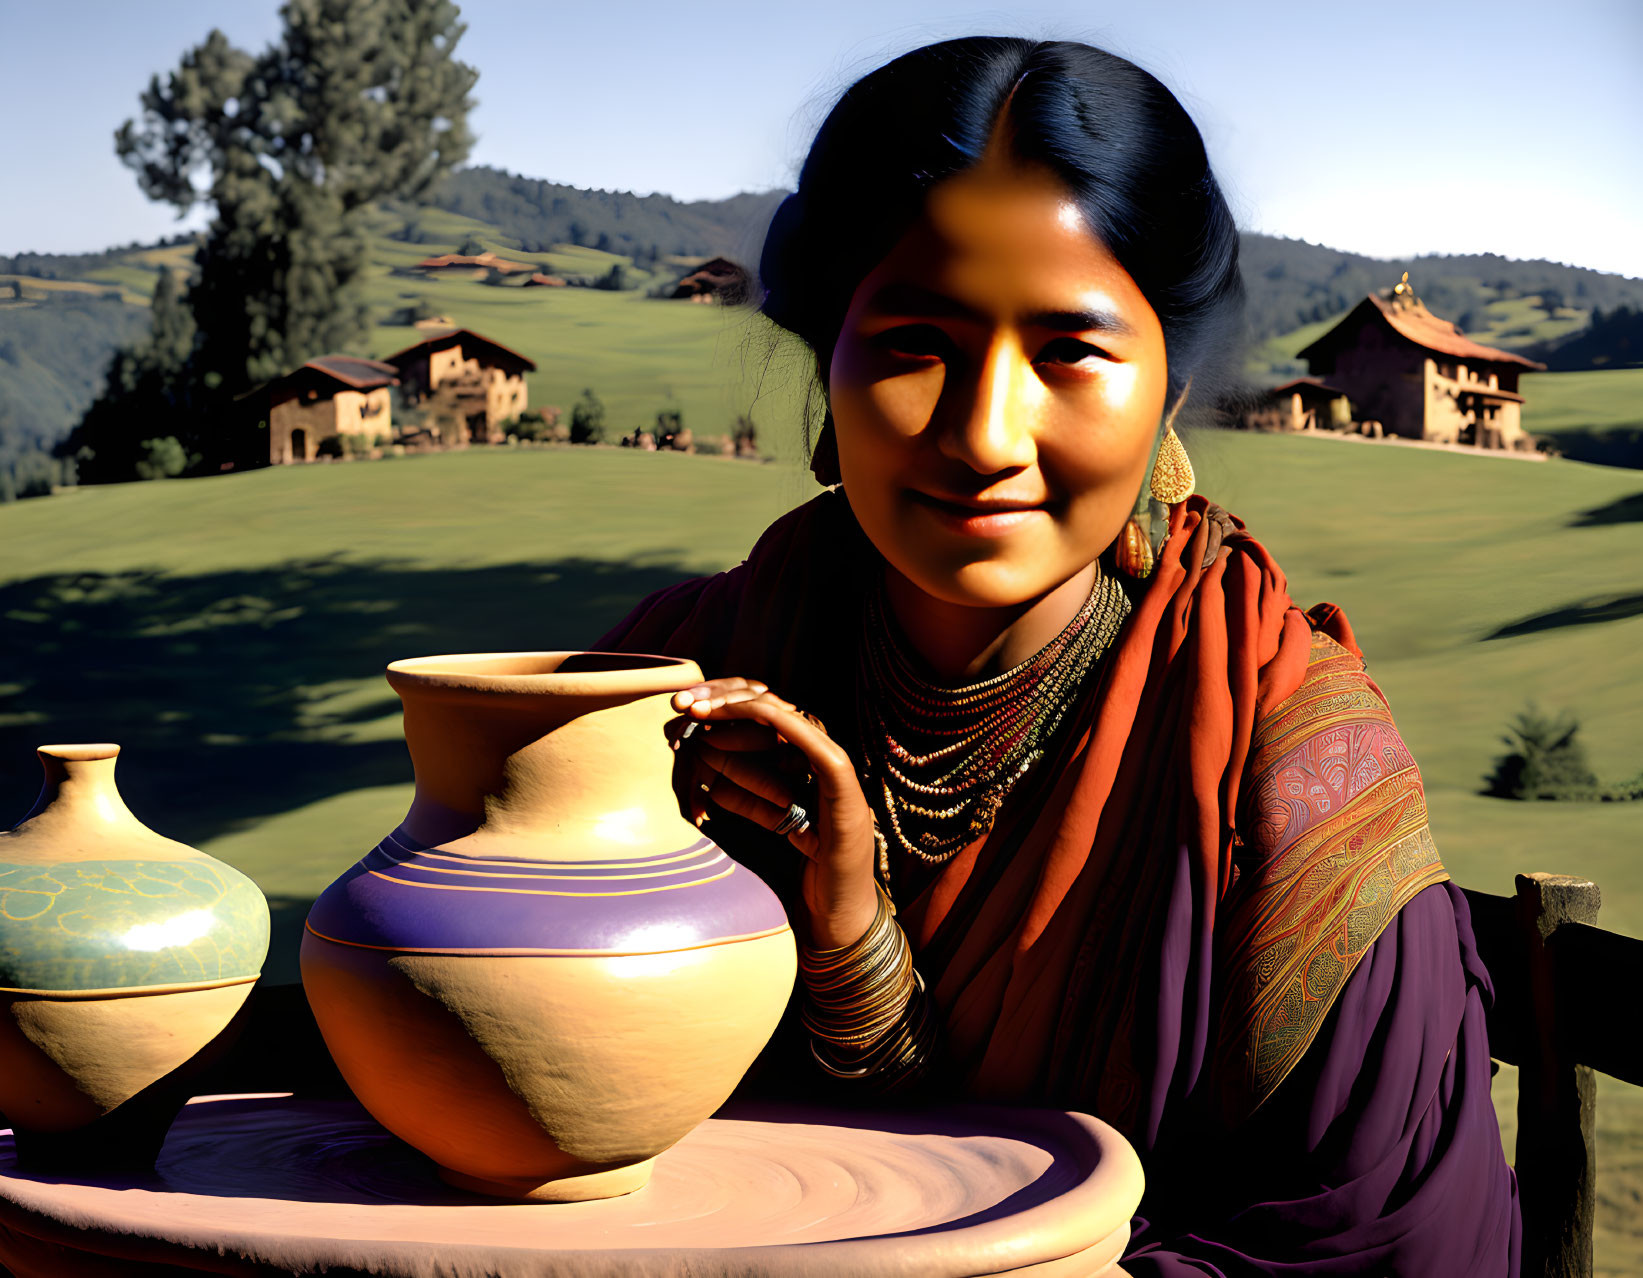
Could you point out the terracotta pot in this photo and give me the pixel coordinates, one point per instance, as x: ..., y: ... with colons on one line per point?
x: 123, y: 957
x: 545, y: 976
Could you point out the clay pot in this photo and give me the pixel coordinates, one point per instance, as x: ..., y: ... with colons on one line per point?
x: 545, y: 976
x: 123, y: 957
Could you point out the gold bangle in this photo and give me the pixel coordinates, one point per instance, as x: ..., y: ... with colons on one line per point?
x: 897, y: 1062
x: 860, y: 991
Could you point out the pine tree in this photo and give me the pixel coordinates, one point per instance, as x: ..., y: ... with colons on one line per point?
x: 587, y: 419
x: 358, y: 100
x: 1543, y: 760
x: 146, y: 395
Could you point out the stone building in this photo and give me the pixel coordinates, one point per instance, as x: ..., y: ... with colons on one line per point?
x: 1303, y: 404
x: 718, y: 279
x: 467, y: 385
x: 332, y: 395
x: 1420, y: 376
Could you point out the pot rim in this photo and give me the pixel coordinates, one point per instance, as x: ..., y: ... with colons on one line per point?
x: 79, y: 751
x: 537, y: 673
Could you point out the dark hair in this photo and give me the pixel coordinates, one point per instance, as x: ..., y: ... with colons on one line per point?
x: 1119, y: 140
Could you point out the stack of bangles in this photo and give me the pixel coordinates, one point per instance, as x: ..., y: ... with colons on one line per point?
x: 866, y: 1009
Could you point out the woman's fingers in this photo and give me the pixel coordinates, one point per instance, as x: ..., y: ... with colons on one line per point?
x: 736, y: 737
x: 717, y: 692
x: 704, y: 698
x: 835, y: 774
x: 749, y: 775
x: 697, y: 782
x: 730, y: 796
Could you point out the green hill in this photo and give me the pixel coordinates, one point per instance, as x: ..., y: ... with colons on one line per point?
x: 231, y: 633
x: 247, y: 617
x: 54, y: 347
x: 639, y: 354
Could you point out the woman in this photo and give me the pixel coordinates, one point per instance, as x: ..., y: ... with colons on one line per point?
x: 1154, y: 846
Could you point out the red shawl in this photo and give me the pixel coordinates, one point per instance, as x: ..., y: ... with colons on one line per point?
x: 1077, y: 952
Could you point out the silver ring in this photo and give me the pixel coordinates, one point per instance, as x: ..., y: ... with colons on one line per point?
x: 797, y: 821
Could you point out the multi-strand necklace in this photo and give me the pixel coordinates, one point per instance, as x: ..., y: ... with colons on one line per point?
x: 940, y: 759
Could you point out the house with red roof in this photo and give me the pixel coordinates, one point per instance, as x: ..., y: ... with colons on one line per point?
x: 331, y: 396
x: 474, y: 266
x: 467, y: 385
x: 718, y: 279
x: 1420, y: 376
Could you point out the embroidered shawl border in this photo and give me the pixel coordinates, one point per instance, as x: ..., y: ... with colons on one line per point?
x: 1332, y: 873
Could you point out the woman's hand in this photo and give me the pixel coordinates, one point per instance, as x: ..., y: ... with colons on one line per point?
x: 753, y: 754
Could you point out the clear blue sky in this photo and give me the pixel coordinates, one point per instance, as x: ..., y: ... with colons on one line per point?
x: 1432, y: 126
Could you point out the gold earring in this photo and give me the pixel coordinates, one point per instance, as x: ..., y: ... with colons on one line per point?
x: 1172, y: 478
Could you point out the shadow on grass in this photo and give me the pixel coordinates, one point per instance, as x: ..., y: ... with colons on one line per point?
x: 1588, y: 612
x: 1623, y: 510
x: 1611, y: 446
x: 286, y: 917
x: 229, y: 692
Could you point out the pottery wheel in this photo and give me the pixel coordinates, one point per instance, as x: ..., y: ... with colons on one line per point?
x: 270, y: 1184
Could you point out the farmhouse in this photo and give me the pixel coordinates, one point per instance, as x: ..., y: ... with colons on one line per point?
x: 1303, y: 404
x: 474, y: 266
x: 468, y: 385
x: 539, y: 280
x: 1420, y: 376
x: 331, y: 395
x: 717, y: 280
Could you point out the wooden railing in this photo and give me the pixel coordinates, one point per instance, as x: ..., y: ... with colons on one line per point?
x: 1566, y: 1004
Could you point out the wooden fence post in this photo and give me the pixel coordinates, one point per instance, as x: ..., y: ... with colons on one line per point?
x: 1557, y: 1099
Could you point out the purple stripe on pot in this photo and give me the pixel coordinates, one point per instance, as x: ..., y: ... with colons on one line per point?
x: 570, y: 876
x: 402, y: 900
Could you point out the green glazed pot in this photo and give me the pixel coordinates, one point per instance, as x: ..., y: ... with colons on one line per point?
x: 124, y: 956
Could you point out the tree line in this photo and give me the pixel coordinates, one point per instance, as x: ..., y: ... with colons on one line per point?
x: 539, y: 214
x: 75, y: 266
x: 355, y: 102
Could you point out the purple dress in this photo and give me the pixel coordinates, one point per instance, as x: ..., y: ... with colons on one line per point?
x: 1379, y: 1154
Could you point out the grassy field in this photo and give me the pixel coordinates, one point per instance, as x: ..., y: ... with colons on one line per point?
x: 1594, y: 416
x: 237, y: 611
x: 1516, y: 321
x: 35, y: 289
x: 1597, y: 401
x: 640, y: 355
x: 231, y: 633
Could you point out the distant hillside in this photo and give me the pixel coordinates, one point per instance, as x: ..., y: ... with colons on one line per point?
x: 1500, y: 300
x: 53, y: 354
x: 1290, y: 282
x: 105, y: 266
x: 62, y: 315
x: 540, y: 214
x: 1614, y: 339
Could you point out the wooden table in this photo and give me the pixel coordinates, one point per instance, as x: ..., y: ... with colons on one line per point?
x: 270, y: 1184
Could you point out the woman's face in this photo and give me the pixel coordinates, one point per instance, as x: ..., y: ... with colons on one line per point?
x: 996, y: 390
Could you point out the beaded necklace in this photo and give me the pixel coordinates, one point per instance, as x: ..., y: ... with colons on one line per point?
x: 939, y: 759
